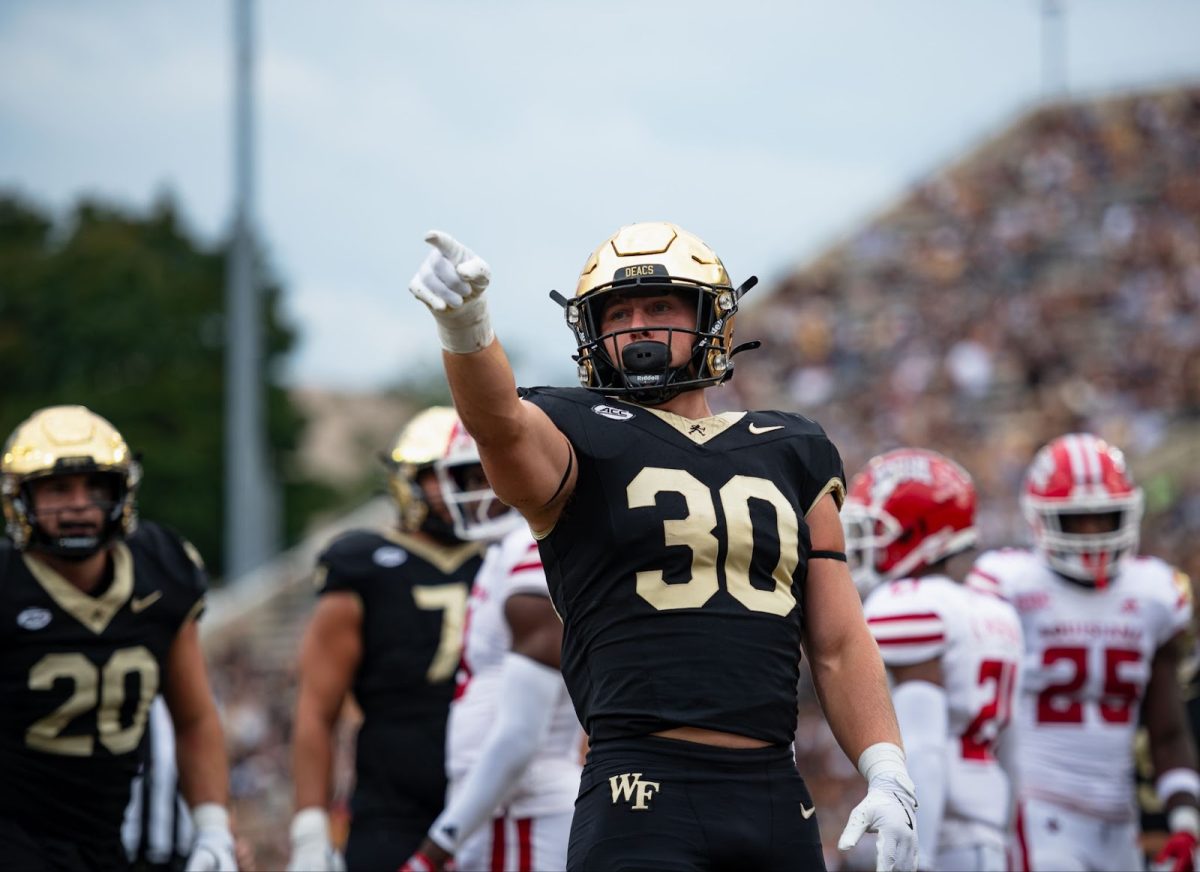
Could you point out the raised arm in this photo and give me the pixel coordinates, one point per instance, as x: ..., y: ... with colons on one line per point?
x: 529, y: 463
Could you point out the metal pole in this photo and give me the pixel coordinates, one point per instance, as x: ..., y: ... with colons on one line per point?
x: 249, y: 521
x: 1054, y: 50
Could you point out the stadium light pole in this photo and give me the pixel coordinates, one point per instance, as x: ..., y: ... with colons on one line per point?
x: 250, y: 510
x: 1054, y: 49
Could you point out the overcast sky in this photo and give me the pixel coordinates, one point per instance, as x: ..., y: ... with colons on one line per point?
x: 532, y: 130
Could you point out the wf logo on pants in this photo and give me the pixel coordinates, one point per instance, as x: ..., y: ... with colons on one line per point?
x: 630, y: 788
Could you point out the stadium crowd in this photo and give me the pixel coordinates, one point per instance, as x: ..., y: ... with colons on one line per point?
x: 1048, y: 283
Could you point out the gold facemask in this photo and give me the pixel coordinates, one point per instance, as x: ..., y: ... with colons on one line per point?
x: 61, y: 440
x: 647, y: 259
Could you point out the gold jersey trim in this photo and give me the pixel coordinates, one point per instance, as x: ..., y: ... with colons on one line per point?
x: 194, y: 612
x: 95, y: 613
x: 699, y: 430
x: 446, y: 558
x: 834, y: 486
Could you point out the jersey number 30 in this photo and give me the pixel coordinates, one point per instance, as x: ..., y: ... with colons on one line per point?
x: 695, y: 530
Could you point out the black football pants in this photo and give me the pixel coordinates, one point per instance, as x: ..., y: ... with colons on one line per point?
x: 655, y: 803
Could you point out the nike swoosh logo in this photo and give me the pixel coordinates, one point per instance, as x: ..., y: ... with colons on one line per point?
x: 140, y: 605
x: 806, y: 813
x: 758, y: 431
x: 907, y: 816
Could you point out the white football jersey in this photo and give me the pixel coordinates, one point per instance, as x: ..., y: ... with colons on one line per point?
x: 551, y: 782
x: 977, y: 639
x: 1088, y: 654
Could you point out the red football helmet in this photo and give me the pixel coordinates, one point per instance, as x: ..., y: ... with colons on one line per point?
x: 1079, y: 475
x: 906, y: 510
x: 477, y: 512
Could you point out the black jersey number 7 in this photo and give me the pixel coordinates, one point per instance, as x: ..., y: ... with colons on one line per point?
x: 695, y: 530
x: 451, y: 601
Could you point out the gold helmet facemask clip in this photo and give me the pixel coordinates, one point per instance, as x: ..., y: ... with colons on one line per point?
x: 652, y: 259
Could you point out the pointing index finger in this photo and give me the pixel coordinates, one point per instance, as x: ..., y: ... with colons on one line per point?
x: 453, y: 250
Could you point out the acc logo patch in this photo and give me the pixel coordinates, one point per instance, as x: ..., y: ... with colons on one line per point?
x: 33, y: 618
x: 612, y: 412
x: 389, y: 556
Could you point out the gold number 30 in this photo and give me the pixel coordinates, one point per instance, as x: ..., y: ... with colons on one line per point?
x: 695, y: 530
x: 88, y: 689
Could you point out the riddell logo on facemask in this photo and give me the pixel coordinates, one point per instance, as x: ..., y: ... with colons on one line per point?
x: 630, y: 788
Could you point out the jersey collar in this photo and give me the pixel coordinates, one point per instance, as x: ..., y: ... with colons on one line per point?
x: 95, y: 613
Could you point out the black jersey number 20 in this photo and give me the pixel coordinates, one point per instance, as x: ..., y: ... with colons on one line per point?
x: 91, y: 685
x: 696, y: 532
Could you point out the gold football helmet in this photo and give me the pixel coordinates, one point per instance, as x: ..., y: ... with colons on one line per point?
x: 436, y: 441
x: 648, y: 259
x: 61, y: 440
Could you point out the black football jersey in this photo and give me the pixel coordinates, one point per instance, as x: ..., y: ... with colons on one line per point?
x: 414, y: 598
x: 77, y: 676
x: 678, y: 564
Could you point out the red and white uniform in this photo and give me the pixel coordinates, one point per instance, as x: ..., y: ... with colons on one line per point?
x: 531, y: 827
x: 1088, y: 656
x: 976, y: 637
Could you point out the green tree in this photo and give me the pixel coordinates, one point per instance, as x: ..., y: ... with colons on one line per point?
x: 123, y: 313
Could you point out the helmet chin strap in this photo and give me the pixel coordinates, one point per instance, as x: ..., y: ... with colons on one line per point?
x: 646, y: 356
x: 73, y: 548
x: 80, y: 546
x: 441, y: 530
x: 647, y: 363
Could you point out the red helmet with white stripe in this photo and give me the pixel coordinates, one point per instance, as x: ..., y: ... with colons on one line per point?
x: 474, y: 507
x: 906, y: 510
x: 1072, y: 479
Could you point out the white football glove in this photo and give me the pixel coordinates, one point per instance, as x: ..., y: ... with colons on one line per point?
x: 213, y: 850
x: 451, y: 282
x: 311, y: 848
x: 888, y: 809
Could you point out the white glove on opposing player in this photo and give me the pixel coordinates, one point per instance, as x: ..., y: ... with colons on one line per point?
x: 213, y: 850
x: 311, y: 848
x: 451, y: 281
x: 888, y: 809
